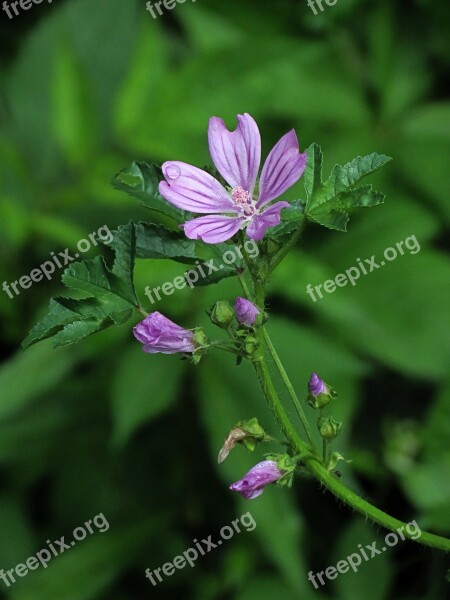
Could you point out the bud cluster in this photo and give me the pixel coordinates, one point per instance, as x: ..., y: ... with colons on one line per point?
x: 320, y: 394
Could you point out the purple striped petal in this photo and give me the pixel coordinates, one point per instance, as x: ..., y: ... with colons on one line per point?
x: 283, y: 167
x: 212, y: 229
x: 193, y: 189
x: 236, y: 154
x: 253, y: 483
x: 268, y: 218
x: 160, y: 334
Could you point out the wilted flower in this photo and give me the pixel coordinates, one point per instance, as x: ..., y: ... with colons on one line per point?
x: 237, y: 156
x: 236, y: 435
x: 247, y: 432
x: 246, y: 311
x: 253, y: 483
x: 160, y: 334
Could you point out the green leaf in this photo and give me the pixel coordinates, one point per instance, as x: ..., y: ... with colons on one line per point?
x: 156, y: 241
x: 141, y: 389
x: 112, y: 297
x: 219, y: 268
x: 141, y: 181
x: 290, y: 220
x: 312, y: 177
x: 334, y: 213
x: 94, y: 278
x: 330, y: 202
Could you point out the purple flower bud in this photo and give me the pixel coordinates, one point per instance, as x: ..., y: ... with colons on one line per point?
x: 246, y: 311
x: 160, y: 334
x: 253, y: 483
x: 316, y: 385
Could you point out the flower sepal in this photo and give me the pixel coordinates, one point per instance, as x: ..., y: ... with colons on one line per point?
x: 221, y: 314
x: 287, y: 465
x: 320, y: 393
x: 201, y: 343
x: 328, y: 427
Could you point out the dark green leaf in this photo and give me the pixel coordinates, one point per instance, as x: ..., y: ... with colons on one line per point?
x: 290, y: 220
x: 330, y: 203
x: 312, y: 177
x: 141, y: 181
x: 156, y: 241
x: 112, y: 297
x: 334, y: 214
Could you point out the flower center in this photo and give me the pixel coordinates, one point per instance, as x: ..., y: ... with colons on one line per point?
x: 244, y: 201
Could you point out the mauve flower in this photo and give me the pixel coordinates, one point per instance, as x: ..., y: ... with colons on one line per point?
x: 253, y: 483
x: 160, y: 334
x: 237, y: 156
x: 316, y: 385
x: 246, y: 311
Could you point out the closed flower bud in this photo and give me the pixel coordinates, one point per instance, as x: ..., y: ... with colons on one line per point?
x: 329, y: 428
x: 320, y: 393
x: 160, y: 334
x: 246, y: 311
x: 222, y: 314
x: 253, y: 483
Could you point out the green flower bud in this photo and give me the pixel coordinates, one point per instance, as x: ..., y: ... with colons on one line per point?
x: 329, y: 428
x: 201, y: 343
x: 222, y: 314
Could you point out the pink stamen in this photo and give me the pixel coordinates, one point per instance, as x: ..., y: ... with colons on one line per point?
x: 244, y: 200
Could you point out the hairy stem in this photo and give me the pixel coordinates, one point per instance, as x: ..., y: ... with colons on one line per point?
x: 290, y: 389
x: 328, y: 480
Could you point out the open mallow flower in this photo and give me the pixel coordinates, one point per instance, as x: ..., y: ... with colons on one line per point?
x: 253, y: 483
x: 246, y: 311
x: 160, y: 334
x: 243, y: 205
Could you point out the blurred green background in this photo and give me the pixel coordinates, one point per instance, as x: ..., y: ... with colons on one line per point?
x: 87, y: 86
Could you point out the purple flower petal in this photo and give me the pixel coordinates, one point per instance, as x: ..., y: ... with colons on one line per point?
x: 160, y: 334
x: 236, y: 154
x: 253, y: 483
x: 212, y: 229
x: 283, y: 167
x: 268, y: 218
x: 316, y: 385
x: 246, y: 311
x: 193, y: 189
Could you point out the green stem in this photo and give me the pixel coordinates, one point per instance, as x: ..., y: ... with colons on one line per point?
x: 278, y: 257
x: 142, y: 311
x: 290, y: 389
x: 283, y: 374
x: 328, y: 480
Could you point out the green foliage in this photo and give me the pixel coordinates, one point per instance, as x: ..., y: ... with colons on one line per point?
x: 330, y: 202
x: 141, y: 181
x: 100, y: 426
